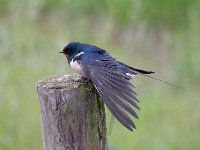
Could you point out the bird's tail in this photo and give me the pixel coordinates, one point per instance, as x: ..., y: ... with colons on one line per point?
x: 135, y: 71
x: 139, y: 70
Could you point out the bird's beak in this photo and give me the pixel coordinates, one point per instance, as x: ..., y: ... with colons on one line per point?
x: 64, y: 53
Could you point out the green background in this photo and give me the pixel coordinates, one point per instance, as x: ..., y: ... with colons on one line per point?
x: 158, y: 35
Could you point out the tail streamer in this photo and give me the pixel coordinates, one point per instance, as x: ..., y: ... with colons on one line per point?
x: 160, y: 80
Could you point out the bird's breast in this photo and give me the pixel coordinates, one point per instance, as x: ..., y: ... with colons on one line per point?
x: 76, y: 65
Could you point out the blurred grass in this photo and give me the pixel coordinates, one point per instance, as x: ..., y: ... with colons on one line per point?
x: 162, y: 36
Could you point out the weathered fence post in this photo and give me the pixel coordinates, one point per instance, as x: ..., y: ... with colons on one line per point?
x: 73, y: 116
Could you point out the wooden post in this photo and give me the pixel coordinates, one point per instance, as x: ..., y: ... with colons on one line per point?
x: 73, y: 115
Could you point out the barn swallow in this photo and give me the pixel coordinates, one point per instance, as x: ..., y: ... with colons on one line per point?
x: 110, y: 77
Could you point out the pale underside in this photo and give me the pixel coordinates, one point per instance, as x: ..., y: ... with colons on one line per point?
x: 77, y: 67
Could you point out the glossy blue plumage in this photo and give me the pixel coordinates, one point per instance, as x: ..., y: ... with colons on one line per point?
x: 110, y: 77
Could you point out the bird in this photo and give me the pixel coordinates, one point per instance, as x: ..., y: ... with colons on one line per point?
x: 111, y: 78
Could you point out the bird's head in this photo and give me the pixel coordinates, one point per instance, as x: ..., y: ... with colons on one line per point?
x: 70, y: 49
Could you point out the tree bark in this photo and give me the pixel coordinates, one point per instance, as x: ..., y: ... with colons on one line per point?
x: 72, y: 113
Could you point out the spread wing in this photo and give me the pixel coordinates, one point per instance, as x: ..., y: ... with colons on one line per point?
x: 114, y: 88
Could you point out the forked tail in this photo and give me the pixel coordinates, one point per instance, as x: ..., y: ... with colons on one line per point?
x: 157, y: 79
x: 135, y: 71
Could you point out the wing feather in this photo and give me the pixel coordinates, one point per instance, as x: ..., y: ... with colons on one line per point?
x: 114, y: 87
x: 115, y: 109
x: 120, y: 101
x: 117, y: 88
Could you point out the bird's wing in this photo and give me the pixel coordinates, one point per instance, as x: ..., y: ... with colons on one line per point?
x: 114, y: 88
